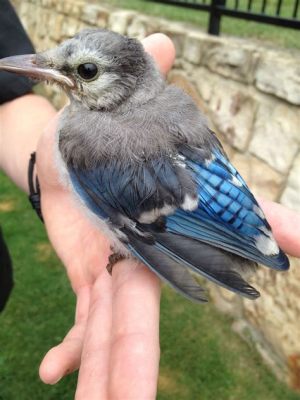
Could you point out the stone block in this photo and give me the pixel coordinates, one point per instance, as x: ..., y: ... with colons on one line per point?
x: 277, y: 313
x: 95, y: 14
x: 276, y: 136
x: 279, y: 74
x: 205, y: 82
x: 142, y: 26
x: 257, y: 340
x: 56, y: 23
x: 23, y: 11
x: 70, y: 8
x: 69, y: 27
x: 61, y: 6
x: 193, y: 45
x: 230, y: 58
x: 225, y: 301
x: 83, y: 25
x: 46, y: 44
x: 46, y: 3
x: 119, y: 20
x: 261, y: 178
x: 232, y: 111
x: 177, y: 34
x: 28, y: 18
x: 74, y: 8
x: 184, y: 66
x: 291, y: 195
x: 44, y: 17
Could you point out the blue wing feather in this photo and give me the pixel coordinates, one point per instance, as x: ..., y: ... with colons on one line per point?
x: 131, y: 189
x: 228, y: 216
x: 90, y: 197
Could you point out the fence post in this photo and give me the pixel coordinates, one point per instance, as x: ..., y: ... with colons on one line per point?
x: 215, y: 16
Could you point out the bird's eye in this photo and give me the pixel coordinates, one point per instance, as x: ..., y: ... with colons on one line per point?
x: 87, y: 71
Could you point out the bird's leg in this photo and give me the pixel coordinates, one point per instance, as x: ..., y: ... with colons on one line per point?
x: 112, y: 260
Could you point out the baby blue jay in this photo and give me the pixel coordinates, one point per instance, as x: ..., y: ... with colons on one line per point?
x: 140, y: 159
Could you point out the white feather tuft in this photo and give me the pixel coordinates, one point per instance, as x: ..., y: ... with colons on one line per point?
x: 259, y: 211
x: 189, y: 203
x: 235, y: 181
x: 148, y: 217
x: 209, y: 160
x: 267, y: 245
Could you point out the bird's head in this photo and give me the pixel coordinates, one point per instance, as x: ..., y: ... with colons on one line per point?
x: 100, y: 68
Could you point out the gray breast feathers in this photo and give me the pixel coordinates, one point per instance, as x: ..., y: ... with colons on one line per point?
x: 151, y: 130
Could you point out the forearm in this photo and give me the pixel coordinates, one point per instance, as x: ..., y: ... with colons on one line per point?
x: 22, y: 121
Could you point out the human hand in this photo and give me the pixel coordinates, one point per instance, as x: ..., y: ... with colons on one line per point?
x: 285, y: 225
x: 115, y: 339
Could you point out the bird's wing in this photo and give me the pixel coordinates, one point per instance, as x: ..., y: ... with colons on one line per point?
x: 123, y: 195
x: 157, y: 196
x: 228, y: 216
x: 141, y: 191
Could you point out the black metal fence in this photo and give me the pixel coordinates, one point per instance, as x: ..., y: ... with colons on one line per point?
x: 275, y: 12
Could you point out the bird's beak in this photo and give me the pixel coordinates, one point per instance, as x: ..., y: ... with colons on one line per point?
x: 26, y: 65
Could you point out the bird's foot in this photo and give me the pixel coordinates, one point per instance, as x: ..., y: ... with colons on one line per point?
x: 112, y: 260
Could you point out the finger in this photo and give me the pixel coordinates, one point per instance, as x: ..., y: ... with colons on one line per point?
x: 65, y: 358
x: 93, y: 373
x: 135, y: 333
x: 285, y: 225
x: 162, y: 50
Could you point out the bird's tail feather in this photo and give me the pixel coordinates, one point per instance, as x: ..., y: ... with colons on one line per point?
x: 211, y: 262
x: 172, y: 253
x: 169, y: 270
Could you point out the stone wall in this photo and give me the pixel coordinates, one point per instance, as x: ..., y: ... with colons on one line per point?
x: 252, y: 96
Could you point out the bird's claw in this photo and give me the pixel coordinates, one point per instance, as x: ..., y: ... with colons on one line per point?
x: 112, y: 260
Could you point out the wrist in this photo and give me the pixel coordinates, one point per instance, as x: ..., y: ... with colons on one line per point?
x: 22, y: 123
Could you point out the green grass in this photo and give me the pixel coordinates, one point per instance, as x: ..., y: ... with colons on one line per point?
x: 276, y: 36
x: 201, y: 357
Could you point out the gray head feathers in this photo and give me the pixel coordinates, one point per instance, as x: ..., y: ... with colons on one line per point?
x: 125, y: 110
x: 120, y: 67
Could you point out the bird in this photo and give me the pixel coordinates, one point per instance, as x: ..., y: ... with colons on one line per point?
x: 142, y: 163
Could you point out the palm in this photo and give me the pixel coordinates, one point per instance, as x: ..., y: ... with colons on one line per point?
x: 79, y: 245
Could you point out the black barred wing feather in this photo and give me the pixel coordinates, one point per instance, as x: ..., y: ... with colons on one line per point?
x: 228, y: 216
